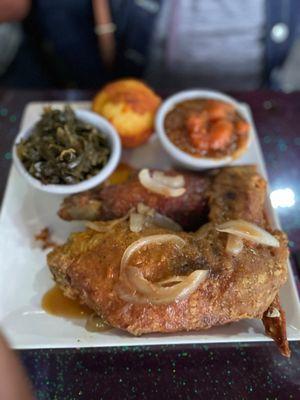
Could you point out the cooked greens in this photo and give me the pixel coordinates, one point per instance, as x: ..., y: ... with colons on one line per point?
x: 63, y: 149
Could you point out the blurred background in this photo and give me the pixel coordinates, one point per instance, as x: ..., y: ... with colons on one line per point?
x: 171, y: 44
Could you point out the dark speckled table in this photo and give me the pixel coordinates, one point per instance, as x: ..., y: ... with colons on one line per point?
x: 242, y: 371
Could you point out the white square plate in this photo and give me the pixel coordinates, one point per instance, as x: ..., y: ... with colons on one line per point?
x: 24, y: 276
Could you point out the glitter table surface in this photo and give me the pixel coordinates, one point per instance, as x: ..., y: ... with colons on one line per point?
x: 243, y: 371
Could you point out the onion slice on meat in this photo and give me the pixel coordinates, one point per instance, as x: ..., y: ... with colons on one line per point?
x: 155, y: 293
x: 174, y: 182
x: 145, y: 241
x: 153, y: 185
x: 136, y: 222
x: 138, y: 283
x: 165, y: 222
x: 145, y: 210
x: 273, y: 313
x: 156, y: 218
x: 141, y: 290
x: 173, y: 279
x: 249, y: 231
x: 234, y: 244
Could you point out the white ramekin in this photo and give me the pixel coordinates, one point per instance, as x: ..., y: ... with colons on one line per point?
x: 179, y: 156
x: 115, y: 153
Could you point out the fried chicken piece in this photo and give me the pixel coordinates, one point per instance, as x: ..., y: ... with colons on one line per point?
x: 114, y: 201
x: 87, y: 267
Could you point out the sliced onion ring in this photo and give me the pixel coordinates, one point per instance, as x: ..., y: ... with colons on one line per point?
x: 136, y: 222
x: 146, y: 216
x: 145, y: 241
x: 173, y: 279
x: 141, y: 290
x: 157, y: 218
x: 155, y: 186
x: 273, y: 313
x: 174, y: 182
x: 157, y: 294
x: 128, y: 294
x: 165, y: 222
x: 138, y: 283
x: 234, y: 244
x: 249, y: 231
x: 143, y: 286
x: 145, y: 210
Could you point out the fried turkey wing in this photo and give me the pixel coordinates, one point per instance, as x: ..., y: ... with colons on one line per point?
x: 244, y: 286
x: 114, y: 201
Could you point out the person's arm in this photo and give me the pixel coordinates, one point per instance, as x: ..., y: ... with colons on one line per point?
x: 105, y: 30
x: 14, y: 10
x: 14, y: 385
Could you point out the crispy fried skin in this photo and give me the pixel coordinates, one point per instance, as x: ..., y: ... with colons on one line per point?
x: 114, y: 201
x: 238, y: 192
x: 276, y: 327
x: 244, y: 286
x: 238, y: 287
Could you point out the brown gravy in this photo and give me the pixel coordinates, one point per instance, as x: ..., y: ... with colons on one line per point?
x: 54, y: 302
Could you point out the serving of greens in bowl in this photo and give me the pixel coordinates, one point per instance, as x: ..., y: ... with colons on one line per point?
x: 67, y: 151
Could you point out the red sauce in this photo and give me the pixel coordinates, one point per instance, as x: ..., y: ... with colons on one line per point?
x: 207, y: 128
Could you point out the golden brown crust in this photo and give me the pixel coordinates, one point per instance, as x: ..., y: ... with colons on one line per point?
x: 238, y: 287
x: 238, y: 192
x: 114, y: 201
x: 234, y: 191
